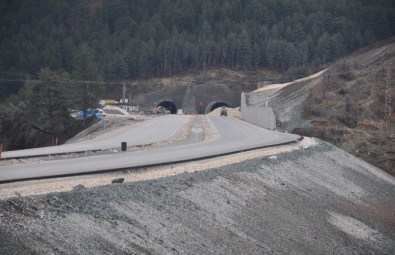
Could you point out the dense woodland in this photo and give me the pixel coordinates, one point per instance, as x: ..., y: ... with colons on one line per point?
x: 131, y: 39
x: 54, y: 49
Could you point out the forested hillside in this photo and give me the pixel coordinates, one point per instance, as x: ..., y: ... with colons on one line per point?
x: 129, y: 39
x: 54, y: 52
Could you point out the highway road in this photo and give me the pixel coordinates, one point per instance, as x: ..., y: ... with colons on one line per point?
x: 142, y: 133
x: 228, y: 135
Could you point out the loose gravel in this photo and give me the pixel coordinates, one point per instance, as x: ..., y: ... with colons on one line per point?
x: 316, y: 199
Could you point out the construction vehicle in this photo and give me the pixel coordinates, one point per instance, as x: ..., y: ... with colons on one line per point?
x: 160, y: 110
x: 224, y: 112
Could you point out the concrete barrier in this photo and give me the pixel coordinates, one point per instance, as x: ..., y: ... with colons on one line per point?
x: 124, y: 146
x: 258, y: 115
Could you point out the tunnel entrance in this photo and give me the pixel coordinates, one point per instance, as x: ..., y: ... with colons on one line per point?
x: 167, y: 104
x: 214, y: 105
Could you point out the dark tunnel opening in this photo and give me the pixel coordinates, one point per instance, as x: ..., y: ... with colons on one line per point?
x: 214, y: 105
x: 170, y: 106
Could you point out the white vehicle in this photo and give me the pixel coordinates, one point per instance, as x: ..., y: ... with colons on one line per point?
x: 101, y: 112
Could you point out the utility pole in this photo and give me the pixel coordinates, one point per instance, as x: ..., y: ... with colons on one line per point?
x: 326, y: 84
x: 84, y: 104
x: 387, y: 101
x: 124, y: 89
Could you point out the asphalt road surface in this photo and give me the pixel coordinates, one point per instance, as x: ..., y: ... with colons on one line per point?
x: 228, y: 135
x: 147, y: 132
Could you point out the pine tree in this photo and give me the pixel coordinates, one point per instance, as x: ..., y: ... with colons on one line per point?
x: 256, y: 53
x: 85, y: 72
x: 231, y: 47
x: 323, y: 49
x: 84, y: 67
x: 42, y: 34
x: 144, y: 65
x: 121, y: 69
x: 244, y: 50
x: 48, y: 110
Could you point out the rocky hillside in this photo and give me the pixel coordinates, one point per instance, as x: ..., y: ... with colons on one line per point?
x: 343, y: 105
x: 346, y: 107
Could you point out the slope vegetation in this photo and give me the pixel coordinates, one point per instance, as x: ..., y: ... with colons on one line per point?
x: 347, y: 106
x: 344, y: 105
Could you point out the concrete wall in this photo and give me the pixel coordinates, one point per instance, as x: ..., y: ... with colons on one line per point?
x: 192, y: 99
x: 209, y: 93
x: 174, y: 94
x: 258, y: 115
x: 189, y: 103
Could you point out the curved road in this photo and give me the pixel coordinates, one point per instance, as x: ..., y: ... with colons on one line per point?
x: 142, y: 133
x: 229, y: 135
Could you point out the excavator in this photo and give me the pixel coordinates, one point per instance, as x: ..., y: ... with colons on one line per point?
x: 224, y: 112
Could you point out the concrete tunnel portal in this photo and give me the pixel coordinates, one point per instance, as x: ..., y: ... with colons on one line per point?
x: 214, y: 105
x: 192, y: 99
x: 167, y: 104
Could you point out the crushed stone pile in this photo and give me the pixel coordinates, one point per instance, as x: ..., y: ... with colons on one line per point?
x: 109, y: 109
x: 319, y: 200
x: 232, y: 112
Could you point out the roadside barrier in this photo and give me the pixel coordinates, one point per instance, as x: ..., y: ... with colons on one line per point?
x: 123, y: 146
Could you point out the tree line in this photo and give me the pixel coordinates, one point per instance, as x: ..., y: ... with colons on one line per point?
x: 134, y: 39
x: 49, y: 48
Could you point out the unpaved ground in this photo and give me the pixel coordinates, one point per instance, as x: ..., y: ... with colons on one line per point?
x: 343, y: 105
x: 347, y: 107
x: 317, y: 200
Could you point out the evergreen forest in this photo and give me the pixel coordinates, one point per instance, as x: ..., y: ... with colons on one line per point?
x: 138, y: 39
x: 60, y: 55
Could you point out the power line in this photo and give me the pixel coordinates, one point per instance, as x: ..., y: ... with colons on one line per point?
x: 121, y: 83
x: 388, y: 100
x: 61, y: 81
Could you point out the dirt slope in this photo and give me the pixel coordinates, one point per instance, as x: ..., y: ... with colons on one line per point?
x: 319, y: 200
x: 346, y: 108
x: 344, y: 105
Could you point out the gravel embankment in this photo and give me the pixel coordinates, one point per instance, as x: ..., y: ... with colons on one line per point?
x: 317, y: 200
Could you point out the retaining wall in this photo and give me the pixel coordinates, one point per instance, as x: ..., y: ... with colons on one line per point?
x: 258, y: 115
